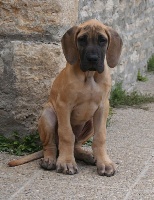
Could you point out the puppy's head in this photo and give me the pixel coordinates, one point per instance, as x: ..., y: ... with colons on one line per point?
x: 88, y: 44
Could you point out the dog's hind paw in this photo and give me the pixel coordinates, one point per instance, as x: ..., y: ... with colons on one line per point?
x: 85, y: 156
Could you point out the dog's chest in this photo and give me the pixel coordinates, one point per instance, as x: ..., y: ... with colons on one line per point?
x: 88, y: 100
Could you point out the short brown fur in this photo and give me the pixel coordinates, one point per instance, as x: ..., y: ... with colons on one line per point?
x: 78, y: 107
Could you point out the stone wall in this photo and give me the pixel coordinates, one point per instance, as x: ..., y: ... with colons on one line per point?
x: 31, y: 55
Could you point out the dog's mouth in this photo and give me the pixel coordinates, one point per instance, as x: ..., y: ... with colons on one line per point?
x: 99, y: 69
x: 92, y: 69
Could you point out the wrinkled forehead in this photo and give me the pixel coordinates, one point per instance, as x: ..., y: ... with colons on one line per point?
x: 92, y: 31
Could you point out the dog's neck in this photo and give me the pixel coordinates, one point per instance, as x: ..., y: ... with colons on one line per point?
x: 89, y: 75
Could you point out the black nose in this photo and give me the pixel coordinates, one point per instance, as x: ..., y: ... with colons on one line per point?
x: 92, y: 58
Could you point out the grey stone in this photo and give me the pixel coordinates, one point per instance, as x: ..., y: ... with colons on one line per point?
x: 28, y: 70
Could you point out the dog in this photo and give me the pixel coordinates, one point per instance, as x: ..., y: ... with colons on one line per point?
x: 78, y: 104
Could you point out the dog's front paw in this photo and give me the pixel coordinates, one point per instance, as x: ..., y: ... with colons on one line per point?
x: 47, y: 163
x: 106, y: 169
x: 66, y: 166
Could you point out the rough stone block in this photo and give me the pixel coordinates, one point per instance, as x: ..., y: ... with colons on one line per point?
x: 47, y: 17
x: 26, y: 72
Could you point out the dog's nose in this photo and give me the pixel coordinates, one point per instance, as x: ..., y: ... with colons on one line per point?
x: 92, y: 58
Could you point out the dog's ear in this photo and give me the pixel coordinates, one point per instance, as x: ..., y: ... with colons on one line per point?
x: 69, y: 45
x: 114, y: 47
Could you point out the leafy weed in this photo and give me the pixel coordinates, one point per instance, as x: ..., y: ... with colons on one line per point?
x: 20, y: 146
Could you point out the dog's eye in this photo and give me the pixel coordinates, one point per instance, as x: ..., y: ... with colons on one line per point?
x: 102, y: 40
x: 82, y: 40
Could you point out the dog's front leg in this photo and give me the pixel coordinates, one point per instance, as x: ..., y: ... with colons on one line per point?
x: 105, y: 166
x: 66, y: 162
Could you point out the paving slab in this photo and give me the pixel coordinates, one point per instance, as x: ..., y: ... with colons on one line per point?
x: 130, y: 144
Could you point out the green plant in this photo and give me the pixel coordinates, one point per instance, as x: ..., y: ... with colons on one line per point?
x: 140, y: 77
x: 120, y: 97
x: 109, y: 117
x: 151, y: 64
x: 89, y: 142
x: 20, y: 146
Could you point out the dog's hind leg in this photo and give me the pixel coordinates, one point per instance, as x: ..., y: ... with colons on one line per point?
x: 47, y: 130
x: 83, y: 155
x: 79, y: 152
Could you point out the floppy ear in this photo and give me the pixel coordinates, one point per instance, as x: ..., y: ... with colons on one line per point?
x: 114, y: 47
x: 69, y: 45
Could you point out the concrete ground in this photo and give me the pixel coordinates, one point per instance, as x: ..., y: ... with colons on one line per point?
x: 130, y: 143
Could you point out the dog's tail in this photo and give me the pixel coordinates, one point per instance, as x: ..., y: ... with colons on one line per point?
x: 26, y: 159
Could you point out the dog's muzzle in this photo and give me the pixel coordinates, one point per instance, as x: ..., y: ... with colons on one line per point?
x: 92, y: 62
